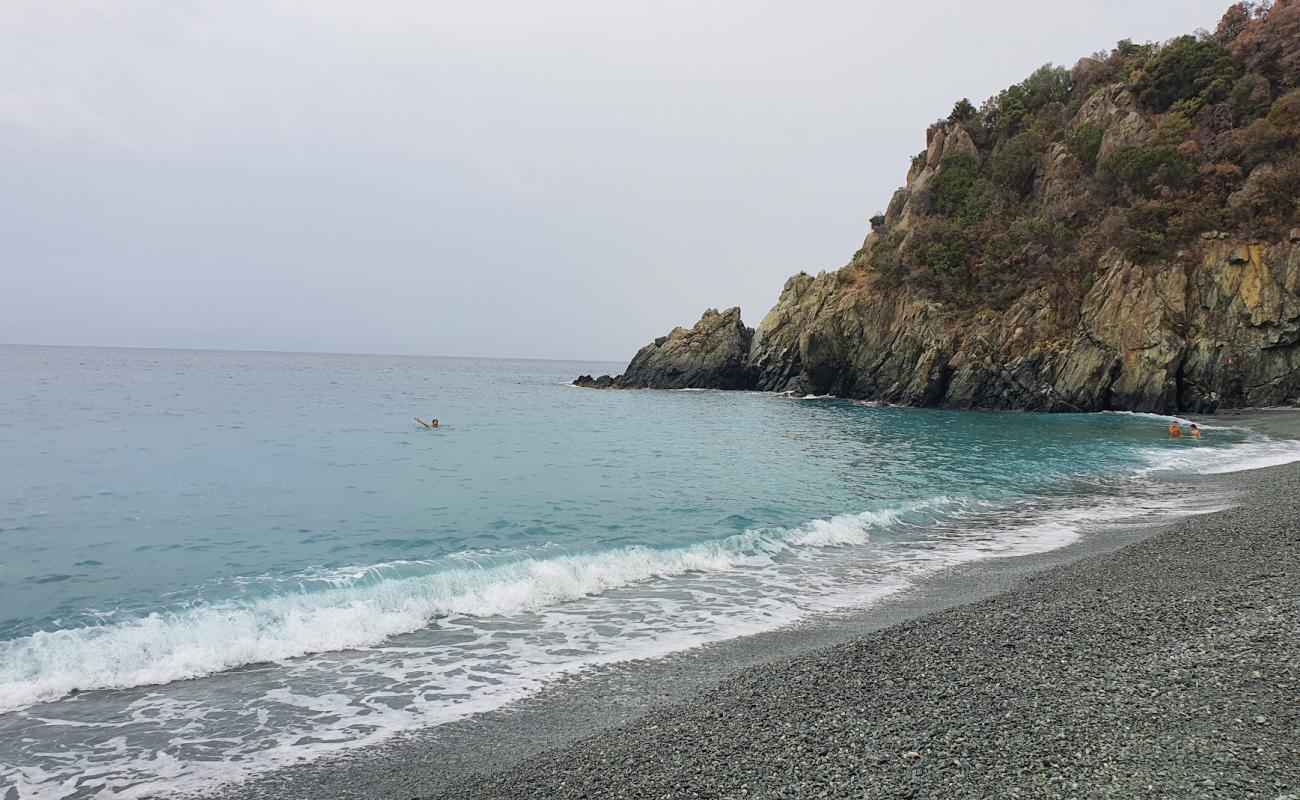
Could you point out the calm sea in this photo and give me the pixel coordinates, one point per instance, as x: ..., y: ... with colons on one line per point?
x: 215, y: 563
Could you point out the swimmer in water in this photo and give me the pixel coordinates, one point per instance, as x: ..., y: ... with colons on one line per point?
x: 430, y: 425
x: 1175, y: 431
x: 1196, y: 432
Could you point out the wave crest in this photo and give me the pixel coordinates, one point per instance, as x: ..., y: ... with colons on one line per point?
x: 364, y: 607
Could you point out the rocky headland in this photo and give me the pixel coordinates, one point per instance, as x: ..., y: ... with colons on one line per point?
x: 1121, y: 235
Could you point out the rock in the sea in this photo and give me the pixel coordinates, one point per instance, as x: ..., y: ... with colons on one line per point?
x: 588, y: 382
x: 711, y: 355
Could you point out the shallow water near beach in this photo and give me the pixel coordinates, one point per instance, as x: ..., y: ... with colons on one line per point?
x: 213, y: 564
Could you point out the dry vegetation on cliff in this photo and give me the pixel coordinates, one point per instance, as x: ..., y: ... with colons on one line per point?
x: 1143, y: 149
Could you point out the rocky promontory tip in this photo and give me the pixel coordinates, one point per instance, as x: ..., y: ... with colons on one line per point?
x: 711, y: 355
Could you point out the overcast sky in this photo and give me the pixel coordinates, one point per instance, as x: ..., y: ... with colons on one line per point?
x: 534, y: 179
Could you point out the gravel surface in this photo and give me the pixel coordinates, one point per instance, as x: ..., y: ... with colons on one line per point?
x: 1167, y: 669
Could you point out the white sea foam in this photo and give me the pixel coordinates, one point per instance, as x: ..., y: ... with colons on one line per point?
x: 1167, y: 418
x: 362, y: 607
x: 1200, y: 458
x: 1195, y: 458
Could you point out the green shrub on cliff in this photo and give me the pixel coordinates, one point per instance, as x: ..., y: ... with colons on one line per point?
x: 1261, y: 143
x: 956, y: 186
x: 1017, y: 106
x: 1285, y: 113
x: 1085, y: 144
x: 1144, y: 232
x: 1173, y: 130
x: 1141, y: 171
x: 1017, y: 162
x: 944, y: 253
x: 1215, y: 146
x: 962, y: 111
x: 1250, y: 98
x: 1190, y: 72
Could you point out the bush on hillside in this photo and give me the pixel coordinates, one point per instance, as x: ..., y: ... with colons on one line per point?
x: 1136, y: 171
x: 1260, y: 143
x: 962, y: 111
x: 1172, y: 130
x: 1016, y: 164
x: 1085, y: 143
x: 1190, y: 72
x: 1145, y: 233
x: 956, y: 185
x: 1250, y: 98
x: 1285, y: 113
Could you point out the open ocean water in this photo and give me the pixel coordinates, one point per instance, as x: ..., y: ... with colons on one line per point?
x: 216, y: 563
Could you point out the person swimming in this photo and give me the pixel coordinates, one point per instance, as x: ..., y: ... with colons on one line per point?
x: 1175, y: 430
x: 431, y: 425
x: 1196, y: 432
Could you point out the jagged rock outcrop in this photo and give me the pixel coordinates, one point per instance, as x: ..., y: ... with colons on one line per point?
x: 1115, y: 111
x: 711, y: 355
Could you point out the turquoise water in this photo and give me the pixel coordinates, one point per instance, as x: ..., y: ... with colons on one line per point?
x: 215, y: 563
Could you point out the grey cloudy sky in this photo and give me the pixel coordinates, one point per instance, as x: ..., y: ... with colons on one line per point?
x: 535, y: 179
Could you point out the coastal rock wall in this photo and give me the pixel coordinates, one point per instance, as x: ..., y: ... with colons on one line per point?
x: 1218, y: 328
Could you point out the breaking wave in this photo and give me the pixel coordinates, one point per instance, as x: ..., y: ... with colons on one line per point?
x: 364, y: 607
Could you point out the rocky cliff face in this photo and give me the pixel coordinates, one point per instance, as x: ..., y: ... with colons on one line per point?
x: 1219, y: 328
x: 1065, y: 260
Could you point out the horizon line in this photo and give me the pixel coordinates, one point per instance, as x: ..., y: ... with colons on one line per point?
x: 300, y: 352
